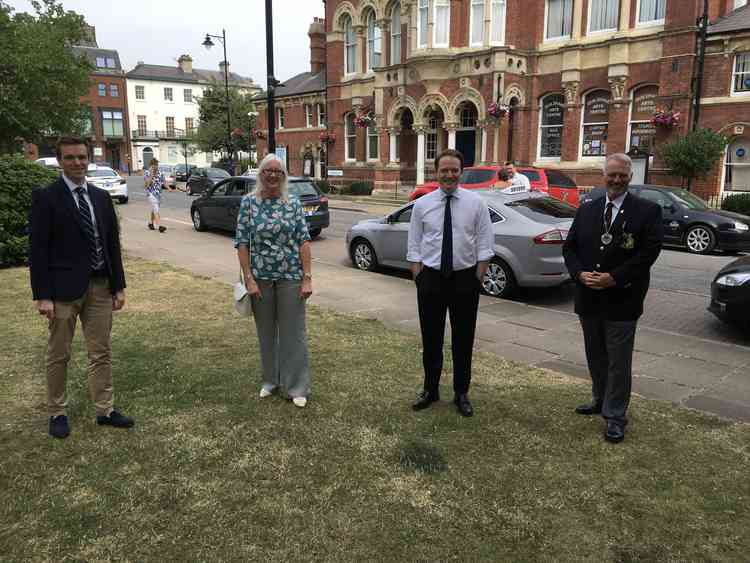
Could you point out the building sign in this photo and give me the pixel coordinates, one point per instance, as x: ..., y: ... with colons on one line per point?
x: 334, y: 172
x: 595, y: 124
x: 642, y: 136
x: 551, y: 129
x: 644, y: 103
x: 98, y: 151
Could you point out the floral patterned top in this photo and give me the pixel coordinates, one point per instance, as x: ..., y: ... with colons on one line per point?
x: 154, y: 188
x: 274, y: 231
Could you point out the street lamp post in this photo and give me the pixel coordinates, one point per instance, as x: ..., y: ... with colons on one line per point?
x: 272, y: 82
x: 207, y: 43
x: 253, y: 117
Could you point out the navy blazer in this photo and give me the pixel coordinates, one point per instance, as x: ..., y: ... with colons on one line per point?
x: 60, y: 255
x: 636, y: 244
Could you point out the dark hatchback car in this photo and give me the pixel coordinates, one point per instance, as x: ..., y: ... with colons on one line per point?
x: 182, y: 172
x: 204, y: 178
x: 730, y: 293
x: 217, y: 208
x: 690, y: 222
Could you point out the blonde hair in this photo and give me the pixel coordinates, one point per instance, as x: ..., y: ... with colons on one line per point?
x: 260, y: 184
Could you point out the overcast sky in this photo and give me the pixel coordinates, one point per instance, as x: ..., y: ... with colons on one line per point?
x: 158, y: 32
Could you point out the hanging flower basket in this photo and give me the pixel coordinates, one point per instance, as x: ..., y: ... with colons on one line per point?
x: 259, y: 134
x: 326, y: 137
x: 498, y: 110
x: 365, y: 119
x: 665, y: 118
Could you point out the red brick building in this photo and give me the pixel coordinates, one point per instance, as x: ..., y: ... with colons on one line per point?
x: 580, y: 79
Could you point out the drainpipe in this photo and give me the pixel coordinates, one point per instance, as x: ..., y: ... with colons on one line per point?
x: 702, y: 23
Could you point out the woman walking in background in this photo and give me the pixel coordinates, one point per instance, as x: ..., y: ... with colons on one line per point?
x: 273, y: 247
x: 153, y: 180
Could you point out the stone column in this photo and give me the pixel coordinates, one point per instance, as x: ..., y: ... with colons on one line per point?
x: 385, y: 41
x: 571, y: 122
x: 392, y: 134
x: 420, y: 154
x: 451, y: 127
x: 483, y: 132
x: 359, y: 31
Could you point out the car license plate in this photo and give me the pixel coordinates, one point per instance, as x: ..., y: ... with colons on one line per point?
x: 309, y: 209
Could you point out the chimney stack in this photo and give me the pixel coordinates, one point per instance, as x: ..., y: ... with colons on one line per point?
x: 317, y: 34
x: 185, y: 63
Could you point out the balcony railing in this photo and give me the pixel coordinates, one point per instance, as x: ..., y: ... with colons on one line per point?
x: 143, y: 134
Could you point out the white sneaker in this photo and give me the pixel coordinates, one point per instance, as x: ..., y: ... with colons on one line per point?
x: 266, y: 391
x: 300, y: 402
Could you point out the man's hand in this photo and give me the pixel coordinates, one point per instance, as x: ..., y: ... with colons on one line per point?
x: 46, y: 307
x: 603, y: 280
x: 118, y: 300
x: 416, y: 267
x: 305, y: 290
x: 482, y: 270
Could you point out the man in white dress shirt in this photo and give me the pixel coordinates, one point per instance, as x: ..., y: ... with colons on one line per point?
x: 450, y: 245
x: 515, y: 177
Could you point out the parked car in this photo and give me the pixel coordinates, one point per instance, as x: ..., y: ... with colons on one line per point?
x: 182, y: 172
x: 529, y: 227
x: 169, y: 175
x: 49, y: 162
x: 107, y: 179
x: 730, y: 293
x: 547, y: 180
x: 217, y: 208
x: 689, y: 221
x: 203, y: 178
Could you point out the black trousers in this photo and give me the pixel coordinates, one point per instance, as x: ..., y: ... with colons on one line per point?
x: 436, y: 296
x: 609, y: 354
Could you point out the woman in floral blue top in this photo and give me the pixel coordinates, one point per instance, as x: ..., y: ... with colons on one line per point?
x: 273, y: 247
x: 153, y: 181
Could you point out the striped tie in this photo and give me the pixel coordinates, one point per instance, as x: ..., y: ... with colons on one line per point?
x: 88, y: 226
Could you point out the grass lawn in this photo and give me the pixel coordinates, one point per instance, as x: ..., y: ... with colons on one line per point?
x: 211, y: 472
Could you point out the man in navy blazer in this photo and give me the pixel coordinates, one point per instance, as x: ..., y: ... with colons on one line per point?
x: 76, y: 272
x: 609, y: 251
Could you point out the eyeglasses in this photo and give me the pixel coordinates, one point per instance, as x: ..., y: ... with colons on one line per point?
x: 273, y: 172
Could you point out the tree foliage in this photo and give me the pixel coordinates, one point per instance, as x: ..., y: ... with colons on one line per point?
x: 695, y: 154
x: 41, y: 79
x: 211, y: 134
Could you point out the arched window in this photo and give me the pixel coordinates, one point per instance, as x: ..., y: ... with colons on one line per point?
x: 737, y: 166
x: 497, y: 34
x: 350, y: 46
x: 432, y: 136
x: 642, y: 107
x: 595, y: 124
x: 477, y: 22
x: 551, y: 114
x: 468, y: 116
x: 372, y: 143
x: 442, y: 23
x: 396, y: 34
x: 350, y: 131
x: 374, y: 42
x: 424, y: 10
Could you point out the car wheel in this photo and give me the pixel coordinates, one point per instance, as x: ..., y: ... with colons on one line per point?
x: 363, y: 255
x: 198, y: 221
x: 499, y: 280
x: 700, y: 239
x: 124, y: 200
x: 314, y: 233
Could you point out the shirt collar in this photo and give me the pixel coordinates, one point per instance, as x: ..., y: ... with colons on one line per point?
x: 618, y: 200
x: 444, y: 194
x: 72, y: 186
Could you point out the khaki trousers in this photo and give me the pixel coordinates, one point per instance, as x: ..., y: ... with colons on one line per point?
x: 95, y: 310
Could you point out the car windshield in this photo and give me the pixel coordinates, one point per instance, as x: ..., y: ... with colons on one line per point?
x: 302, y: 189
x: 542, y: 208
x: 101, y: 173
x: 218, y: 173
x: 691, y: 201
x: 476, y: 176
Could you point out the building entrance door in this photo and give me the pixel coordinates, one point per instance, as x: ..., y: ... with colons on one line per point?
x: 466, y: 144
x: 114, y: 157
x: 148, y: 154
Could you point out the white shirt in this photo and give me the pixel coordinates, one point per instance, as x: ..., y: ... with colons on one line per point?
x: 616, y: 204
x: 519, y: 179
x: 473, y: 238
x: 72, y: 186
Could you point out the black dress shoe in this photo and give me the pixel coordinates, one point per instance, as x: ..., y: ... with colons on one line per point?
x: 463, y: 405
x: 615, y: 432
x: 589, y: 409
x: 58, y: 426
x: 115, y: 419
x: 424, y: 400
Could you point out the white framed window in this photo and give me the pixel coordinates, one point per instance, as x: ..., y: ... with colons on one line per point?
x: 651, y: 12
x: 350, y: 46
x: 114, y: 90
x: 101, y: 62
x: 168, y: 94
x: 741, y: 75
x: 187, y: 95
x: 422, y: 16
x: 603, y: 15
x: 442, y: 23
x: 112, y: 124
x: 373, y: 149
x: 551, y: 118
x: 595, y: 124
x: 476, y: 18
x: 102, y: 89
x: 140, y: 92
x: 350, y: 132
x: 279, y: 118
x: 559, y: 19
x: 189, y: 125
x: 497, y: 28
x: 169, y: 122
x: 396, y: 34
x: 321, y: 115
x: 641, y: 132
x: 374, y: 42
x: 432, y: 139
x: 111, y: 63
x: 308, y: 115
x: 142, y: 125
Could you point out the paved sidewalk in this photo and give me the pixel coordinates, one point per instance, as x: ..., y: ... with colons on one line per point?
x: 693, y: 372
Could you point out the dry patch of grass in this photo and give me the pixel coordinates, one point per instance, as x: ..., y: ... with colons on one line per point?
x: 211, y: 472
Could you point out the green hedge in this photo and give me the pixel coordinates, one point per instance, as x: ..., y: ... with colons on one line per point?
x: 18, y: 177
x: 324, y: 186
x: 361, y: 188
x: 739, y: 203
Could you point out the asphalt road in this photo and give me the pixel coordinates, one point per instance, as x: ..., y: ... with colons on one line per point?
x: 676, y: 303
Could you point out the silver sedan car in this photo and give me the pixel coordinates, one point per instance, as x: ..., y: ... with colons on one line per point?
x: 529, y: 227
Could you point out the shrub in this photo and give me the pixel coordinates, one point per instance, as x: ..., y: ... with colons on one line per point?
x: 18, y: 177
x: 739, y: 203
x: 694, y: 155
x: 324, y: 186
x: 361, y: 188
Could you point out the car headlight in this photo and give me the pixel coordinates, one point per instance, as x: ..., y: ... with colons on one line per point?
x: 733, y: 280
x: 740, y: 226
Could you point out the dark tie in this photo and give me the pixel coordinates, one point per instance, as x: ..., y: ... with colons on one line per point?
x: 446, y: 254
x: 608, y: 216
x: 88, y: 226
